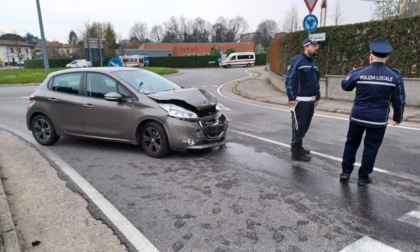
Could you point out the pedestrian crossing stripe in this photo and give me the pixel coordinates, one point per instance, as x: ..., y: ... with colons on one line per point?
x: 367, y: 244
x: 412, y: 218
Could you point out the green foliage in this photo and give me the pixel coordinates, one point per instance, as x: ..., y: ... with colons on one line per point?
x: 347, y: 46
x: 214, y: 52
x: 21, y: 76
x: 229, y: 51
x: 261, y: 59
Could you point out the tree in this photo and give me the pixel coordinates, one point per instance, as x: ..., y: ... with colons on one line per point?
x: 12, y: 36
x: 225, y: 30
x: 31, y: 39
x: 229, y: 51
x: 410, y: 8
x: 157, y: 33
x: 110, y: 40
x: 235, y: 28
x: 72, y: 37
x: 385, y: 9
x: 103, y: 31
x: 291, y: 20
x: 172, y: 32
x: 265, y: 33
x: 201, y: 31
x: 338, y: 13
x: 139, y: 32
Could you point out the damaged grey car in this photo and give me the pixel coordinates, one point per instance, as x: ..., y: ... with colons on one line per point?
x: 128, y: 105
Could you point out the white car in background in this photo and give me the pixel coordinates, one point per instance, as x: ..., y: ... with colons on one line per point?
x: 79, y: 63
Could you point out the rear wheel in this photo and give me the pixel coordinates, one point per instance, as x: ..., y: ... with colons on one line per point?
x: 43, y: 130
x: 228, y: 66
x: 153, y: 140
x: 248, y: 65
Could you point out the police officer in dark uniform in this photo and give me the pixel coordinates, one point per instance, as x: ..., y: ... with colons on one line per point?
x: 376, y: 87
x: 302, y: 85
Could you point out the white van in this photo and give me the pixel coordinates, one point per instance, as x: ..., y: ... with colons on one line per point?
x: 79, y: 63
x: 239, y: 59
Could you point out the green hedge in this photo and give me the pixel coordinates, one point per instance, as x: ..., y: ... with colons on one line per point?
x: 172, y: 62
x: 347, y: 46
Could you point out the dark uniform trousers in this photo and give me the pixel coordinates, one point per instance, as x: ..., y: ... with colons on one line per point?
x: 372, y: 142
x: 304, y: 111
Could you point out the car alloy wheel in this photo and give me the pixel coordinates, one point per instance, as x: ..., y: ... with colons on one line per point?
x: 43, y: 131
x: 154, y: 140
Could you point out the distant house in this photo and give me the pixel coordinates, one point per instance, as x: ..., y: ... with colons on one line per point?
x: 197, y: 49
x: 57, y: 50
x: 14, y: 52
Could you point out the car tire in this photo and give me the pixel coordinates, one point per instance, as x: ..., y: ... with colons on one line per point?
x: 228, y: 66
x: 248, y: 65
x: 43, y: 130
x: 153, y: 140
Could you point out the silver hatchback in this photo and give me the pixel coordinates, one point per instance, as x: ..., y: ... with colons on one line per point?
x: 125, y: 105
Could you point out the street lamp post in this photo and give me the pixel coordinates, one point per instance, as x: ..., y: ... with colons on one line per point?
x: 43, y: 42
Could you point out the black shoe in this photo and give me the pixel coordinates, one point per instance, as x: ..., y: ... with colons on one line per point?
x: 344, y: 177
x: 306, y: 151
x: 364, y: 182
x: 301, y: 157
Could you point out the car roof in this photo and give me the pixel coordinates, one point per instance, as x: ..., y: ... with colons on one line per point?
x: 96, y: 70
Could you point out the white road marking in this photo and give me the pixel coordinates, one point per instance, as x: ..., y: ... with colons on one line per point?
x: 367, y: 244
x: 128, y: 230
x: 411, y: 177
x: 412, y: 218
x: 223, y: 107
x: 24, y: 97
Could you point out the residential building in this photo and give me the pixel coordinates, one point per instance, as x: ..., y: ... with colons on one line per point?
x: 14, y: 52
x: 57, y: 50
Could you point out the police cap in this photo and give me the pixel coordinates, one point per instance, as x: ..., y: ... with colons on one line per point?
x: 380, y: 48
x: 309, y: 41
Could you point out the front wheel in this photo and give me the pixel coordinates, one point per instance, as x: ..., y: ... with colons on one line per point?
x: 43, y: 130
x: 154, y: 140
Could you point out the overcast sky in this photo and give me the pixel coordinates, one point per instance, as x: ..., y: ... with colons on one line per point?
x: 59, y: 16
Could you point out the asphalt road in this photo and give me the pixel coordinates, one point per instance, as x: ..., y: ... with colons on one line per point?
x: 248, y: 195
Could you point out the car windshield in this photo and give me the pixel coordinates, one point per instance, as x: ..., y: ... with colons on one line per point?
x: 146, y: 82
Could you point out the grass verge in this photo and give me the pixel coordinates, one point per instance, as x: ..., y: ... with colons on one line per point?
x: 23, y: 76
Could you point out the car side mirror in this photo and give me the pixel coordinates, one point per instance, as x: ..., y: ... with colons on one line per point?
x: 113, y: 96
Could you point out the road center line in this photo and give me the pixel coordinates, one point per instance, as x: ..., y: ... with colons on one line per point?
x: 395, y: 174
x: 127, y: 229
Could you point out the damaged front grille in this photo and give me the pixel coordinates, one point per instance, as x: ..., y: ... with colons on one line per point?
x: 213, y: 127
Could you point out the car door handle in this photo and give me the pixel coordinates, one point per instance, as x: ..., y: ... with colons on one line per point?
x: 53, y: 100
x: 88, y: 106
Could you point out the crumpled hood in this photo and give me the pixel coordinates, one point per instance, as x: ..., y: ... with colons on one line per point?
x: 198, y: 98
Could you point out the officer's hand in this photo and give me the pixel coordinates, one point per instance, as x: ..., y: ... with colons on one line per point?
x: 292, y: 103
x: 316, y: 103
x: 396, y: 124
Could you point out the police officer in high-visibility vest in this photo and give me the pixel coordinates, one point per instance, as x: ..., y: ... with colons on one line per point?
x: 377, y: 86
x: 302, y: 85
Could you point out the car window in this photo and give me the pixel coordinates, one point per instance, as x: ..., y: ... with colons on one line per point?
x: 98, y: 85
x: 67, y: 83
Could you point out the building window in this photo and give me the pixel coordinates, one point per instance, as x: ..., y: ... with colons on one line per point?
x: 11, y: 50
x: 26, y: 49
x: 19, y: 50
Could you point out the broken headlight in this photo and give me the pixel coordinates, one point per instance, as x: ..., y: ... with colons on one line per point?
x: 179, y: 112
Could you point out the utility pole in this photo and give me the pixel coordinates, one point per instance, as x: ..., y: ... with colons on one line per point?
x: 323, y: 13
x: 43, y: 41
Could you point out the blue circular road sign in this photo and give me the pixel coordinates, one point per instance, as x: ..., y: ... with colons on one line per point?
x: 115, y: 63
x: 310, y: 23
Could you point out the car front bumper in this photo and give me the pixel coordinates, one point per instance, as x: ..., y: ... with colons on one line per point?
x: 208, y: 132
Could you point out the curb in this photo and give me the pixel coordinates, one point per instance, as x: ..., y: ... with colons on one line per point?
x: 9, y: 241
